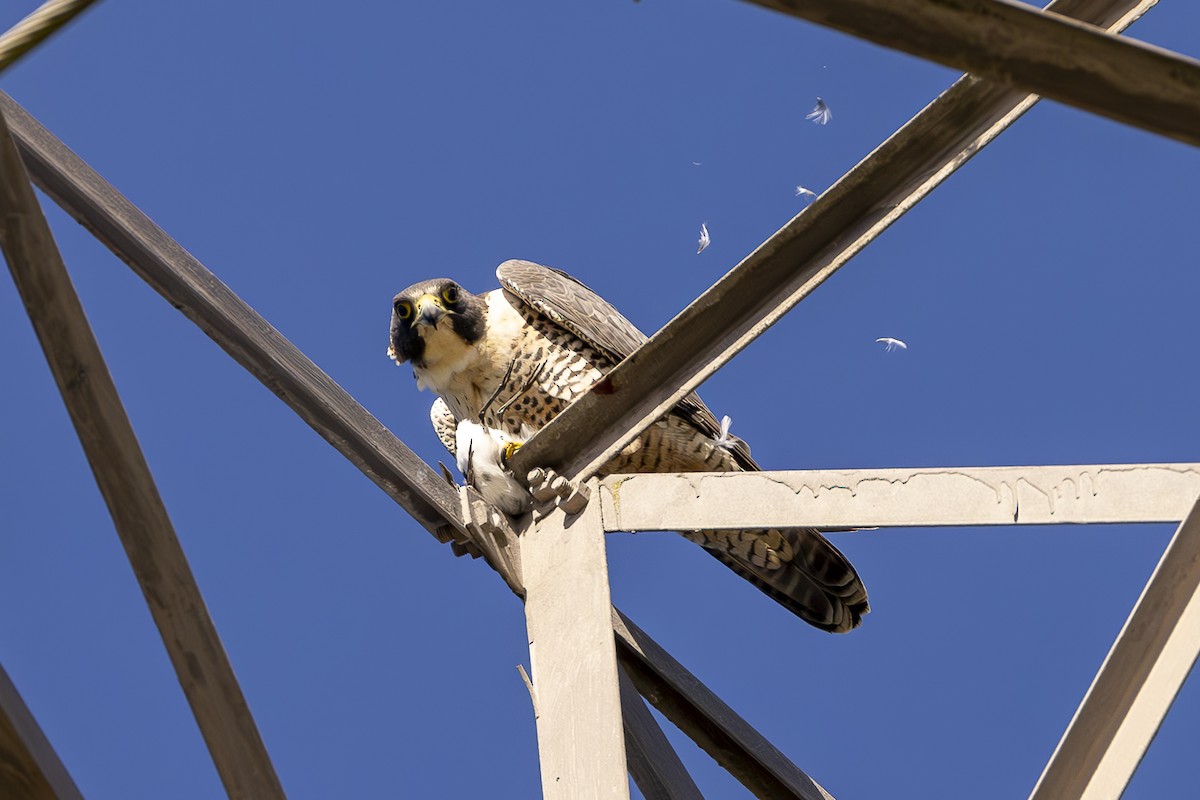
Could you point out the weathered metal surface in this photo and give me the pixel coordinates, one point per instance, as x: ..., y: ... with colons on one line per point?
x: 937, y: 496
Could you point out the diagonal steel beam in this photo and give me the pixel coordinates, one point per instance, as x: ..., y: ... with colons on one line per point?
x: 45, y: 20
x: 230, y: 322
x: 704, y: 717
x: 790, y: 265
x: 653, y: 763
x: 1044, y: 52
x: 1136, y: 684
x: 29, y: 767
x: 128, y: 488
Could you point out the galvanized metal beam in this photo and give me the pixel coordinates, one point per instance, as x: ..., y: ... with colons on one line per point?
x: 45, y: 21
x: 124, y: 479
x: 192, y: 289
x: 1136, y: 684
x: 29, y: 767
x: 789, y: 266
x: 1042, y: 52
x: 937, y: 496
x: 573, y: 657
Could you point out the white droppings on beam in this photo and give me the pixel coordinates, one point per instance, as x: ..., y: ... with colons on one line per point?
x: 1046, y: 495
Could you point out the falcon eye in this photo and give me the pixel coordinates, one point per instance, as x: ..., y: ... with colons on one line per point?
x: 450, y: 294
x: 403, y: 309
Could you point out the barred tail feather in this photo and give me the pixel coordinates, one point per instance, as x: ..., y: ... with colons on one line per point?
x: 796, y: 567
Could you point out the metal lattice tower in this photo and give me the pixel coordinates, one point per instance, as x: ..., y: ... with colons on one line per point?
x: 555, y: 559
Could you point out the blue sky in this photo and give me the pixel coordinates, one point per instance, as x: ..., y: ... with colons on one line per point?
x: 321, y: 160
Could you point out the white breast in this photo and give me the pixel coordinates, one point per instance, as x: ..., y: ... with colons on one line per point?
x: 466, y: 375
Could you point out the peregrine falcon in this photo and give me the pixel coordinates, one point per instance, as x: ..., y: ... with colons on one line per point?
x: 508, y: 361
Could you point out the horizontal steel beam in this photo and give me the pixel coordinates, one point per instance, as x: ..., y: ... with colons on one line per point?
x: 789, y: 266
x: 900, y: 497
x: 29, y: 767
x: 1136, y: 684
x: 192, y: 289
x: 1041, y: 52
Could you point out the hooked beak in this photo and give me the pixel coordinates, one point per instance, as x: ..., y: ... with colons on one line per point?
x: 429, y: 310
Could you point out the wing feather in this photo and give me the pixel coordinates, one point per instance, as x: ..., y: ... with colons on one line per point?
x: 567, y: 301
x: 444, y: 425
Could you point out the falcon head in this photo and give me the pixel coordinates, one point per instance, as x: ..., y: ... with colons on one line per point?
x: 431, y: 314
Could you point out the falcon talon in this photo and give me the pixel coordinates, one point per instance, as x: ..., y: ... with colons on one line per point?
x: 509, y: 451
x: 481, y: 459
